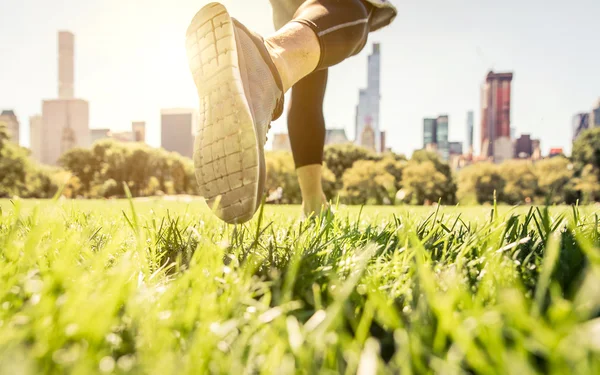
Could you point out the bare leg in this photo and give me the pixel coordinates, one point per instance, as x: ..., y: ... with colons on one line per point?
x: 295, y: 51
x: 313, y: 198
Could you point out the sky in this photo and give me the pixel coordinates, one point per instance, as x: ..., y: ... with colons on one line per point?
x: 130, y: 62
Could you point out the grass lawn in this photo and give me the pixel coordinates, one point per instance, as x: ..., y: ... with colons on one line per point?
x: 163, y: 287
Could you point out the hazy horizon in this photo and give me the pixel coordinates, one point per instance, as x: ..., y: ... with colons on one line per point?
x: 130, y: 63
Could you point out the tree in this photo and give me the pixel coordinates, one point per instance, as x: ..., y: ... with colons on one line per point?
x: 587, y: 184
x: 521, y: 182
x: 19, y: 175
x: 367, y: 182
x: 340, y: 158
x: 423, y: 183
x: 586, y: 149
x: 448, y: 192
x: 481, y: 182
x: 554, y: 176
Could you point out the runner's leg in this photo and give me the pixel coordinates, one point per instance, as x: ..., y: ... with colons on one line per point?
x: 306, y: 127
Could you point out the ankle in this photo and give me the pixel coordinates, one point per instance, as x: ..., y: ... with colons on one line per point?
x: 295, y: 51
x: 276, y: 51
x: 314, y: 204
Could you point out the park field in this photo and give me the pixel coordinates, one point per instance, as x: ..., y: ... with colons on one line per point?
x: 160, y: 286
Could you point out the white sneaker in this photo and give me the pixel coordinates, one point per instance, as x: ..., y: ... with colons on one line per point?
x: 240, y: 93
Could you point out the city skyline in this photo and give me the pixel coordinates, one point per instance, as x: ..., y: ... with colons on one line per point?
x: 429, y: 67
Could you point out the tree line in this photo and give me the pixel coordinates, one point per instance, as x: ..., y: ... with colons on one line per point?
x: 354, y: 174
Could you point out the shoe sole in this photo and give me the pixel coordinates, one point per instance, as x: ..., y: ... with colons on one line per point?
x: 228, y: 159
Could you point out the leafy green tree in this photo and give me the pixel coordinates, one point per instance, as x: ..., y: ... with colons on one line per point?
x: 554, y: 177
x: 83, y: 164
x: 481, y: 182
x: 340, y: 158
x: 586, y: 149
x: 19, y: 175
x: 447, y: 194
x: 423, y: 183
x: 367, y: 182
x: 521, y: 181
x: 587, y: 184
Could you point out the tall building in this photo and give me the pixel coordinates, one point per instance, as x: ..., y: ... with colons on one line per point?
x: 367, y: 127
x: 65, y: 121
x: 139, y: 131
x: 435, y: 136
x: 35, y: 136
x: 176, y: 127
x: 495, y: 117
x: 12, y: 124
x: 442, y: 131
x: 524, y: 147
x: 470, y: 131
x: 65, y: 125
x: 66, y: 65
x: 581, y: 122
x: 429, y: 132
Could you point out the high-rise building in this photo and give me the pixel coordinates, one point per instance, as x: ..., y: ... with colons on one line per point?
x: 429, y: 132
x: 12, y: 124
x: 367, y: 127
x: 470, y: 131
x: 581, y: 122
x: 435, y: 136
x: 442, y: 133
x: 35, y: 137
x: 66, y: 65
x: 177, y: 126
x: 65, y: 121
x: 139, y: 131
x: 495, y: 117
x: 65, y: 125
x: 524, y: 147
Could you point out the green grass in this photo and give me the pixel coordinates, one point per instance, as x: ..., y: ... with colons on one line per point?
x: 164, y: 288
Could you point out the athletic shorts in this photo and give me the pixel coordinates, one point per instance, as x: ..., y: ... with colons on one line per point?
x: 383, y: 12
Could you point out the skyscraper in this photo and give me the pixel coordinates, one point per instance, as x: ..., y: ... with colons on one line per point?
x: 429, y: 132
x: 65, y: 125
x: 66, y: 65
x: 495, y: 117
x: 367, y: 130
x: 442, y: 137
x: 65, y: 121
x: 176, y: 127
x: 12, y: 124
x: 581, y: 122
x: 35, y: 136
x: 435, y: 136
x: 470, y: 131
